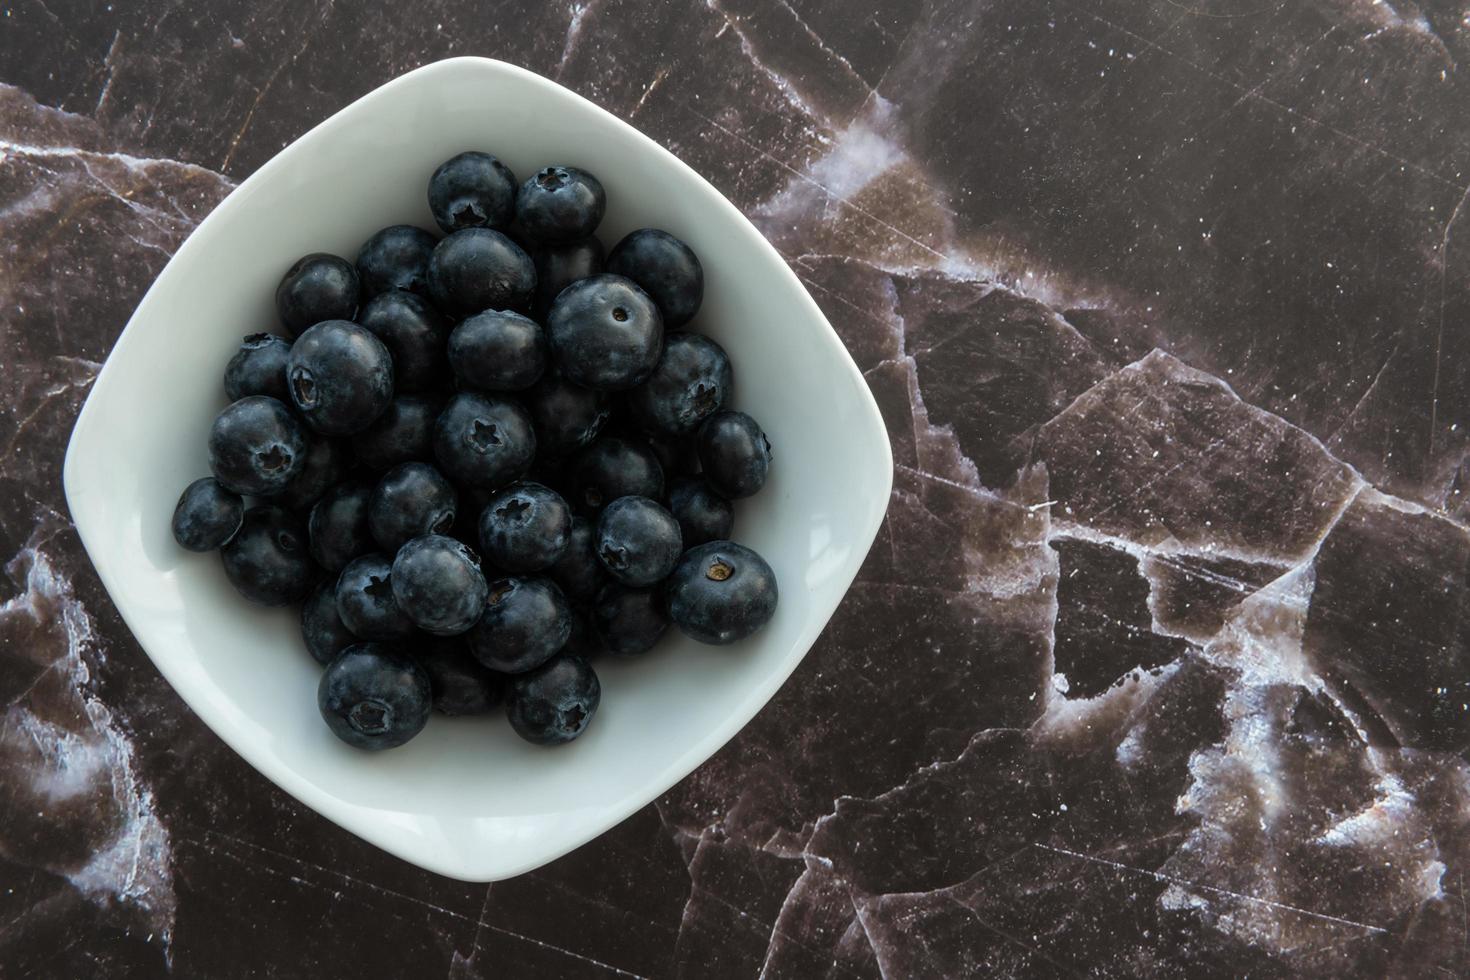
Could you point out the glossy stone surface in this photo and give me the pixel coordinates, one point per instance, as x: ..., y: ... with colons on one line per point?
x: 1157, y: 666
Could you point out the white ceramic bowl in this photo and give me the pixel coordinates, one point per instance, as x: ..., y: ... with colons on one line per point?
x: 467, y: 798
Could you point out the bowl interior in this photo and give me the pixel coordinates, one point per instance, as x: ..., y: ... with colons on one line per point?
x: 467, y: 797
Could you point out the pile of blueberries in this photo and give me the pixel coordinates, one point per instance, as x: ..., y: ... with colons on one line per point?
x: 481, y: 461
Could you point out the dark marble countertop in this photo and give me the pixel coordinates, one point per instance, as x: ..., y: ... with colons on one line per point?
x: 1158, y: 666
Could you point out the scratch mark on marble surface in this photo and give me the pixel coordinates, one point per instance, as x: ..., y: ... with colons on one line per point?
x: 458, y: 965
x: 49, y: 396
x: 657, y: 79
x: 780, y: 81
x: 480, y: 922
x: 978, y: 492
x: 1062, y: 969
x: 1273, y: 103
x: 859, y: 918
x: 578, y: 13
x: 821, y: 44
x: 303, y: 863
x: 877, y: 89
x: 1195, y: 12
x: 1373, y: 386
x: 151, y: 246
x: 1160, y: 876
x: 866, y: 314
x: 1267, y: 78
x: 812, y: 181
x: 566, y: 952
x: 308, y: 36
x: 1444, y: 261
x: 107, y: 63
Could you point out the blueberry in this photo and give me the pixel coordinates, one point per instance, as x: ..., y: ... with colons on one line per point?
x: 267, y: 559
x: 550, y: 473
x: 629, y: 621
x: 322, y: 629
x: 396, y: 257
x: 525, y: 528
x: 411, y: 499
x: 566, y: 416
x: 256, y: 446
x: 606, y: 333
x: 437, y: 581
x: 497, y: 350
x: 478, y: 269
x: 558, y: 266
x: 405, y: 431
x: 525, y: 622
x: 579, y: 572
x: 472, y: 190
x: 734, y: 454
x: 414, y: 333
x: 560, y: 204
x: 584, y: 641
x: 676, y: 457
x: 339, y: 525
x: 472, y: 503
x: 614, y: 467
x: 691, y: 382
x: 326, y: 459
x: 703, y: 515
x: 665, y: 268
x: 721, y: 592
x: 461, y: 684
x: 638, y: 541
x: 207, y: 515
x: 554, y: 703
x: 317, y: 287
x: 259, y: 368
x: 518, y: 236
x: 373, y: 697
x: 365, y: 600
x: 484, y: 441
x: 340, y: 376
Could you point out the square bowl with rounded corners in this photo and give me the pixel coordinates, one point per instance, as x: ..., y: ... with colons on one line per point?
x: 467, y: 798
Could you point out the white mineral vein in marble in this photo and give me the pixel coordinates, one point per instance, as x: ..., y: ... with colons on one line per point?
x: 80, y: 753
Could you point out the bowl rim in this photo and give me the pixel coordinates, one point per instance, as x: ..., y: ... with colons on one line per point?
x: 360, y: 820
